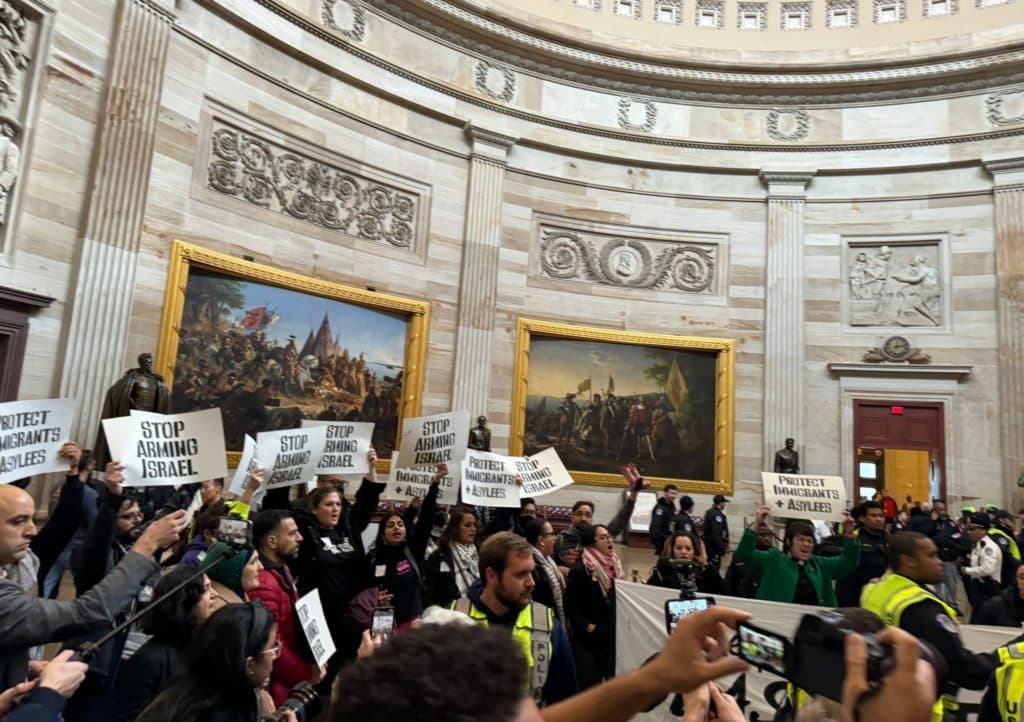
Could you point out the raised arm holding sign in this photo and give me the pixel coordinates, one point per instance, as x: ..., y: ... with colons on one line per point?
x: 31, y: 436
x: 803, y: 496
x: 291, y: 456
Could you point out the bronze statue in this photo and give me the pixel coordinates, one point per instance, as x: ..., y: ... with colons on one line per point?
x: 142, y: 389
x: 480, y: 435
x: 787, y: 461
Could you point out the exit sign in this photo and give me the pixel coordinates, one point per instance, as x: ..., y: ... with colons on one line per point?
x: 896, y: 411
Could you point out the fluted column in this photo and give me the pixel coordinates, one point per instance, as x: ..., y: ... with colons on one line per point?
x: 1008, y: 201
x: 784, y: 311
x: 478, y: 285
x: 98, y: 328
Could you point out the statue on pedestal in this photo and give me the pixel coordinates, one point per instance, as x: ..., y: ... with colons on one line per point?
x: 142, y: 389
x: 480, y: 435
x: 787, y: 460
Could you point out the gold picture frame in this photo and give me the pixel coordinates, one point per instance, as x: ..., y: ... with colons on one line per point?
x: 592, y: 339
x: 185, y: 257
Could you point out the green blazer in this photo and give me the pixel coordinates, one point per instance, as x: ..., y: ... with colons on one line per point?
x: 780, y: 571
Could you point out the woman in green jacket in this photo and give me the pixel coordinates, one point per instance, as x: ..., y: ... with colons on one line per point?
x: 800, y: 576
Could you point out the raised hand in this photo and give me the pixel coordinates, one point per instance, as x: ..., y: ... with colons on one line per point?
x: 440, y: 473
x: 761, y: 516
x: 161, y: 534
x: 114, y: 479
x: 371, y: 457
x: 73, y: 453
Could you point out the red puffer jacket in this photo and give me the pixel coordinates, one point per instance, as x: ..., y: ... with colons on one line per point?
x: 278, y: 594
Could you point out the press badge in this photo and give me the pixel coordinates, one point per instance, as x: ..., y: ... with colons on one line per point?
x: 446, y: 567
x: 380, y: 570
x: 346, y: 547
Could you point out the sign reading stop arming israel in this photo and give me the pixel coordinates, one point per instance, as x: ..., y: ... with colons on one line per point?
x: 803, y: 496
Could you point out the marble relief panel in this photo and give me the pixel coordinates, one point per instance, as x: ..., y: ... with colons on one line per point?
x: 896, y: 284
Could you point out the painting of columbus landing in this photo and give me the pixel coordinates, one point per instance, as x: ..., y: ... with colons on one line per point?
x: 603, y: 403
x: 269, y: 355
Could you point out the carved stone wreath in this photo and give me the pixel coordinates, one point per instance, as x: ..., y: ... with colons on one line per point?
x: 626, y: 263
x: 508, y: 88
x: 650, y: 114
x: 254, y: 170
x: 357, y: 31
x: 994, y: 108
x: 802, y: 124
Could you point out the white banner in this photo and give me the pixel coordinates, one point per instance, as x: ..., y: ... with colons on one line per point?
x: 314, y: 625
x: 290, y: 456
x: 31, y: 434
x: 168, y: 449
x: 802, y: 496
x: 640, y: 632
x: 246, y: 464
x: 490, y: 479
x: 406, y: 484
x: 543, y: 473
x: 346, y: 447
x: 432, y: 440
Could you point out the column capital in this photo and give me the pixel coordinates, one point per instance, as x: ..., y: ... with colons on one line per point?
x: 786, y: 184
x: 489, y: 144
x: 1007, y: 172
x: 164, y: 8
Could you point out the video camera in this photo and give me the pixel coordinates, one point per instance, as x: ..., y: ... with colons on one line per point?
x: 303, y: 700
x: 686, y: 572
x: 816, y: 659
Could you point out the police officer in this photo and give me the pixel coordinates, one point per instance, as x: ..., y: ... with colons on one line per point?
x: 902, y: 600
x: 683, y: 521
x: 984, y: 568
x: 953, y: 545
x: 1001, y: 532
x: 1004, y: 696
x: 716, y: 532
x: 874, y: 545
x: 661, y: 518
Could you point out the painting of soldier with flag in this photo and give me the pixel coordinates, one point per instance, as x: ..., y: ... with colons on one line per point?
x: 606, y: 398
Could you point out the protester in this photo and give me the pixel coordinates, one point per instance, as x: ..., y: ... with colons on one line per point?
x: 799, y: 576
x: 277, y: 539
x: 233, y: 578
x: 889, y: 506
x: 204, y: 530
x: 501, y: 597
x: 549, y: 583
x: 43, y: 698
x: 455, y: 565
x: 162, y: 657
x: 229, y: 661
x: 590, y: 606
x: 1006, y: 609
x: 569, y: 544
x: 743, y: 580
x: 870, y: 517
x: 716, y: 532
x: 681, y: 547
x: 398, y: 556
x: 982, y: 573
x: 662, y: 517
x: 902, y: 599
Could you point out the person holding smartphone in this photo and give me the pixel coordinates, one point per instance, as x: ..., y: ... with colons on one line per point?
x: 799, y: 576
x: 682, y: 561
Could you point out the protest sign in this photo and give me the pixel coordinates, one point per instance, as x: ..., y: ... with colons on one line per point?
x: 290, y: 456
x: 31, y: 434
x: 433, y: 440
x: 408, y: 484
x: 346, y: 447
x: 542, y: 473
x: 490, y: 479
x: 804, y: 496
x: 246, y: 464
x: 168, y: 449
x: 310, y: 611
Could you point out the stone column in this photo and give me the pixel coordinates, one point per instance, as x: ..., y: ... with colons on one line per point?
x: 97, y: 330
x: 479, y: 281
x: 1008, y: 202
x: 784, y: 312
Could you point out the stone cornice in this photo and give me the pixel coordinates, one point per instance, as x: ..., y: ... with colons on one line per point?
x: 901, y: 370
x: 477, y: 34
x: 23, y: 299
x: 786, y: 185
x: 500, y: 144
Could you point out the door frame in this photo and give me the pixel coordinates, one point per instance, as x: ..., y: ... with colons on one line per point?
x: 919, y: 403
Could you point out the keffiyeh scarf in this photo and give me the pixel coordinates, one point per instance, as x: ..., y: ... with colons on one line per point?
x: 466, y: 561
x: 604, y: 568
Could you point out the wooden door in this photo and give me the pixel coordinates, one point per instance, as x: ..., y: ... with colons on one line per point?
x: 904, y: 426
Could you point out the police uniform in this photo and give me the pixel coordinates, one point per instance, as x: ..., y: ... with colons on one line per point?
x: 1010, y: 554
x: 685, y: 523
x: 1004, y: 697
x: 716, y: 536
x: 661, y: 523
x: 983, y: 572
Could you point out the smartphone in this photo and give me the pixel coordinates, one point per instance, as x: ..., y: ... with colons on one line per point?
x: 676, y: 609
x: 236, y: 532
x: 383, y: 623
x: 763, y: 649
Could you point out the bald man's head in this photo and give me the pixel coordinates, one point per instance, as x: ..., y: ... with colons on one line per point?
x: 16, y: 526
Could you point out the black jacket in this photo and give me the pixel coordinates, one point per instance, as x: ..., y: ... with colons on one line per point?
x: 1004, y: 610
x: 60, y: 527
x: 440, y: 588
x: 586, y: 604
x: 716, y: 533
x: 952, y: 543
x: 398, y: 568
x: 661, y: 523
x: 684, y: 523
x: 144, y: 676
x: 873, y: 563
x: 742, y: 580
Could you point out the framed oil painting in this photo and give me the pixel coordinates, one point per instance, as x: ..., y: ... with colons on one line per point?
x: 270, y: 348
x: 605, y: 398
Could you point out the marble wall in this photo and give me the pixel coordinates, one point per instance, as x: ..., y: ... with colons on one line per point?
x: 542, y: 156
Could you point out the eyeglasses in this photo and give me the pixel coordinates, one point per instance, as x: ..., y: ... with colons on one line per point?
x: 605, y: 537
x: 274, y: 651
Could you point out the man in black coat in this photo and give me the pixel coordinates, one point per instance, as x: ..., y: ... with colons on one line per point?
x: 716, y: 532
x: 874, y: 547
x: 662, y: 517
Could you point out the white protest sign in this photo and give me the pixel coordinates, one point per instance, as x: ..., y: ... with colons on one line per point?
x: 290, y: 456
x: 407, y: 484
x: 433, y: 440
x: 348, y: 443
x: 246, y: 464
x: 31, y: 434
x: 489, y: 479
x: 310, y: 611
x: 168, y: 449
x: 542, y: 473
x: 802, y: 496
